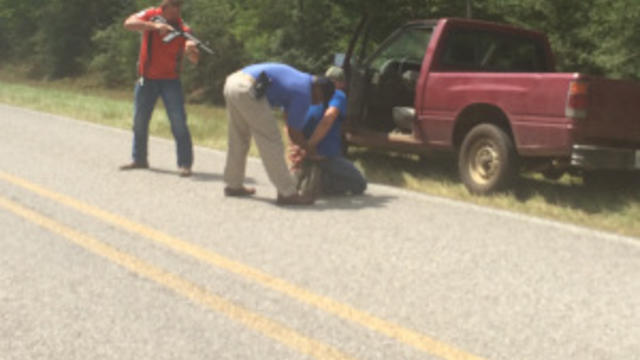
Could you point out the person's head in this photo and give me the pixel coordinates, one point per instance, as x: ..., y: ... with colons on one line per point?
x: 171, y: 9
x: 321, y: 90
x: 336, y: 75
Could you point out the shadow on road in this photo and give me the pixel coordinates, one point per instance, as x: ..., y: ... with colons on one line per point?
x: 199, y: 176
x: 324, y: 203
x: 353, y: 202
x: 348, y: 203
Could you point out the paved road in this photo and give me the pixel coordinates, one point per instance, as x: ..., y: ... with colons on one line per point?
x: 101, y: 264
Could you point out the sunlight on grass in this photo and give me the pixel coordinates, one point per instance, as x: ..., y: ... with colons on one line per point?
x: 616, y: 210
x: 208, y: 124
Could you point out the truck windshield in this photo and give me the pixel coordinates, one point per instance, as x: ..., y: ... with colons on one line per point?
x: 486, y: 51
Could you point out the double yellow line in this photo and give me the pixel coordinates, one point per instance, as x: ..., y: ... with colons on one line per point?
x: 268, y: 327
x: 183, y: 287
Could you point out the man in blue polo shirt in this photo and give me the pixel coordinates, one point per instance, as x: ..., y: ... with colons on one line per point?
x: 323, y: 129
x: 250, y: 94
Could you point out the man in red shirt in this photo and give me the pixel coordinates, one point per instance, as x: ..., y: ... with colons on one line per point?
x: 159, y: 70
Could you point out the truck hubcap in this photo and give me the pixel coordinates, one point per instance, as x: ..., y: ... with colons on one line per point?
x: 485, y: 162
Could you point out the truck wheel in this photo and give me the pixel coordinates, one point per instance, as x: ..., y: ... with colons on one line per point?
x: 487, y: 161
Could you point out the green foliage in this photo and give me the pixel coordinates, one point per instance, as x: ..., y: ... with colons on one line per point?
x: 302, y: 33
x: 616, y: 33
x: 211, y: 21
x: 4, y: 41
x: 115, y: 57
x: 18, y: 22
x: 61, y: 38
x: 55, y: 35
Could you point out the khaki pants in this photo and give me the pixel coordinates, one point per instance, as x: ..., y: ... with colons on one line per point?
x: 250, y: 117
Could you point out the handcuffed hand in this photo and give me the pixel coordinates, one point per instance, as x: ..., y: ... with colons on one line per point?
x: 296, y: 155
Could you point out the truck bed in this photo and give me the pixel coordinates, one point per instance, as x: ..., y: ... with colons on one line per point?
x: 613, y: 116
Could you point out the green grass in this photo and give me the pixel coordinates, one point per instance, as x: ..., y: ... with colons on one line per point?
x: 84, y: 100
x: 616, y: 209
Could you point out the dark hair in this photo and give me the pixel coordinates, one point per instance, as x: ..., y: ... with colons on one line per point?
x: 327, y: 87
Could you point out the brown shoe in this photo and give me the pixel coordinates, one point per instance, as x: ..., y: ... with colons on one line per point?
x: 295, y: 199
x: 240, y: 192
x: 184, y: 172
x: 134, y: 165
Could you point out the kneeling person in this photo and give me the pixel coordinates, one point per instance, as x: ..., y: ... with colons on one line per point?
x: 323, y: 129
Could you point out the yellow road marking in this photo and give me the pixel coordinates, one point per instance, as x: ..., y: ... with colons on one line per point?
x: 183, y: 287
x: 410, y: 337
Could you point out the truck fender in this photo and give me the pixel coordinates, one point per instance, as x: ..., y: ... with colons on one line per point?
x: 477, y: 114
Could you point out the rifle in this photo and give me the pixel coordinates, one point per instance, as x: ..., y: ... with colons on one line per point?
x: 175, y: 33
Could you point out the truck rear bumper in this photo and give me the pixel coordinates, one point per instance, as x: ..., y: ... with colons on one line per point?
x: 593, y: 157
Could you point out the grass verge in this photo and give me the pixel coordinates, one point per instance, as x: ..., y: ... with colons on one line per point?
x: 615, y: 209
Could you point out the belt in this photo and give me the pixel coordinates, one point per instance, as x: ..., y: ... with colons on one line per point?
x: 245, y: 76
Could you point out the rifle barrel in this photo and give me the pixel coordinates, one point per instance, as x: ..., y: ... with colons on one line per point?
x: 198, y: 42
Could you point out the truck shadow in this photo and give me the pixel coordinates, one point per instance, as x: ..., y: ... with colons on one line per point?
x: 441, y: 175
x: 391, y: 168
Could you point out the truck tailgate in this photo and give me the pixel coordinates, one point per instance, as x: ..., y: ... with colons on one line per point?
x: 613, y: 116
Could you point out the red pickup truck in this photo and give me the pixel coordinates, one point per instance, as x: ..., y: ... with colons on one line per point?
x: 490, y: 94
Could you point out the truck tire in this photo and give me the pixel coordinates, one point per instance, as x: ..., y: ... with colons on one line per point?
x: 487, y: 161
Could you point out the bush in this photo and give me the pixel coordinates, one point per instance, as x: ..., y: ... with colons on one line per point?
x: 116, y: 52
x: 211, y: 22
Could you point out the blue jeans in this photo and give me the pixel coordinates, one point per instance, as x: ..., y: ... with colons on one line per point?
x: 340, y: 176
x: 146, y: 95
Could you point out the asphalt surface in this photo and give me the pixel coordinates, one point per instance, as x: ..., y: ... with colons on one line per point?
x: 102, y: 264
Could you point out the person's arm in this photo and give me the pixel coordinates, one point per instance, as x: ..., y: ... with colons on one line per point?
x: 298, y: 138
x: 135, y: 23
x: 330, y: 116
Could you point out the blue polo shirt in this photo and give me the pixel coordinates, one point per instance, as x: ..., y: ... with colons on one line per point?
x: 331, y: 145
x: 290, y: 89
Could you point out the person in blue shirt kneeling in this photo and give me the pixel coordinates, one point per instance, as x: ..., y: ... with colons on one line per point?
x: 323, y: 129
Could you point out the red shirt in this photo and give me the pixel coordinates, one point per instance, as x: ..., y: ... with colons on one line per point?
x: 159, y: 60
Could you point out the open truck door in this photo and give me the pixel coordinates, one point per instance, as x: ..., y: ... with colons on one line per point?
x: 382, y: 83
x: 355, y: 74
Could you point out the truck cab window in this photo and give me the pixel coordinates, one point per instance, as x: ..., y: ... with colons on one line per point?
x: 484, y: 51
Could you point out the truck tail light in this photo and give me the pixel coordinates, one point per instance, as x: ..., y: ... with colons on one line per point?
x: 577, y: 99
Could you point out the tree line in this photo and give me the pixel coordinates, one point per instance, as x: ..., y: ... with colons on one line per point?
x: 62, y: 38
